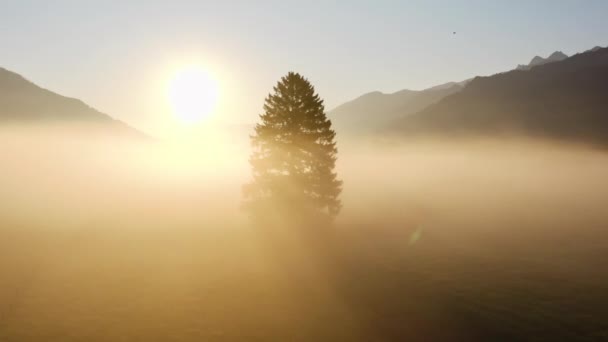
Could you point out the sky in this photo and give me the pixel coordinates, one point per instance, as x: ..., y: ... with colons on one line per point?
x: 118, y: 55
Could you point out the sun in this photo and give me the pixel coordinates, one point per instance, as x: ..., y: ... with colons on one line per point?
x: 192, y: 94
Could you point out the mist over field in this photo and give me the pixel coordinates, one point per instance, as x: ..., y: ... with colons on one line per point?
x: 109, y: 239
x: 374, y: 171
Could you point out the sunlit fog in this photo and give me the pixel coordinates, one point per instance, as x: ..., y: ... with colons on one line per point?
x: 303, y: 171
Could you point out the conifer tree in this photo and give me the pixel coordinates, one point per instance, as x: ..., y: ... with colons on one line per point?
x: 294, y: 154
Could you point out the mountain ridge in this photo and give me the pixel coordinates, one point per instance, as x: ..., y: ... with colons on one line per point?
x: 23, y: 101
x: 371, y: 111
x: 537, y: 60
x: 564, y: 100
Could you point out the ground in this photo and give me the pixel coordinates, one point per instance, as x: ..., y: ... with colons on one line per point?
x: 361, y: 284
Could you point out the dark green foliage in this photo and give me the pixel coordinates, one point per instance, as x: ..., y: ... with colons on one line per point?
x: 294, y: 155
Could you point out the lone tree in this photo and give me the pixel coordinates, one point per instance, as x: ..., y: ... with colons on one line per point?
x: 294, y: 155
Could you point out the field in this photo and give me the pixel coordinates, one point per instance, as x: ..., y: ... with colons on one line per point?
x: 483, y: 242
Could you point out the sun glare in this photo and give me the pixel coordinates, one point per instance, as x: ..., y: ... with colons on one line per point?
x: 192, y: 94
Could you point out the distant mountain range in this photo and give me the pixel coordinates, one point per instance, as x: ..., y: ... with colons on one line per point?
x: 557, y: 96
x: 566, y: 99
x: 373, y: 111
x: 22, y: 101
x: 537, y: 60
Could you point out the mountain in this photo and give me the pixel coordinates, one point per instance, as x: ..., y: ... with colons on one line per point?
x: 370, y: 112
x: 537, y: 60
x: 564, y: 100
x: 594, y: 49
x: 22, y: 101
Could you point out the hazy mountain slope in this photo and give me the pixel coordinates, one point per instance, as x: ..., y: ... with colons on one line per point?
x: 595, y: 48
x: 566, y: 99
x: 372, y: 111
x: 537, y: 60
x: 22, y: 101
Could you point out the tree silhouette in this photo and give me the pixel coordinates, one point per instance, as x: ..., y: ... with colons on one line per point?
x: 294, y: 155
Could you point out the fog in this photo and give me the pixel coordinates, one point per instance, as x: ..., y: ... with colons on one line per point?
x: 117, y: 238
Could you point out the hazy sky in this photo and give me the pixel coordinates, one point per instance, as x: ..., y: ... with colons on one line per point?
x: 116, y: 55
